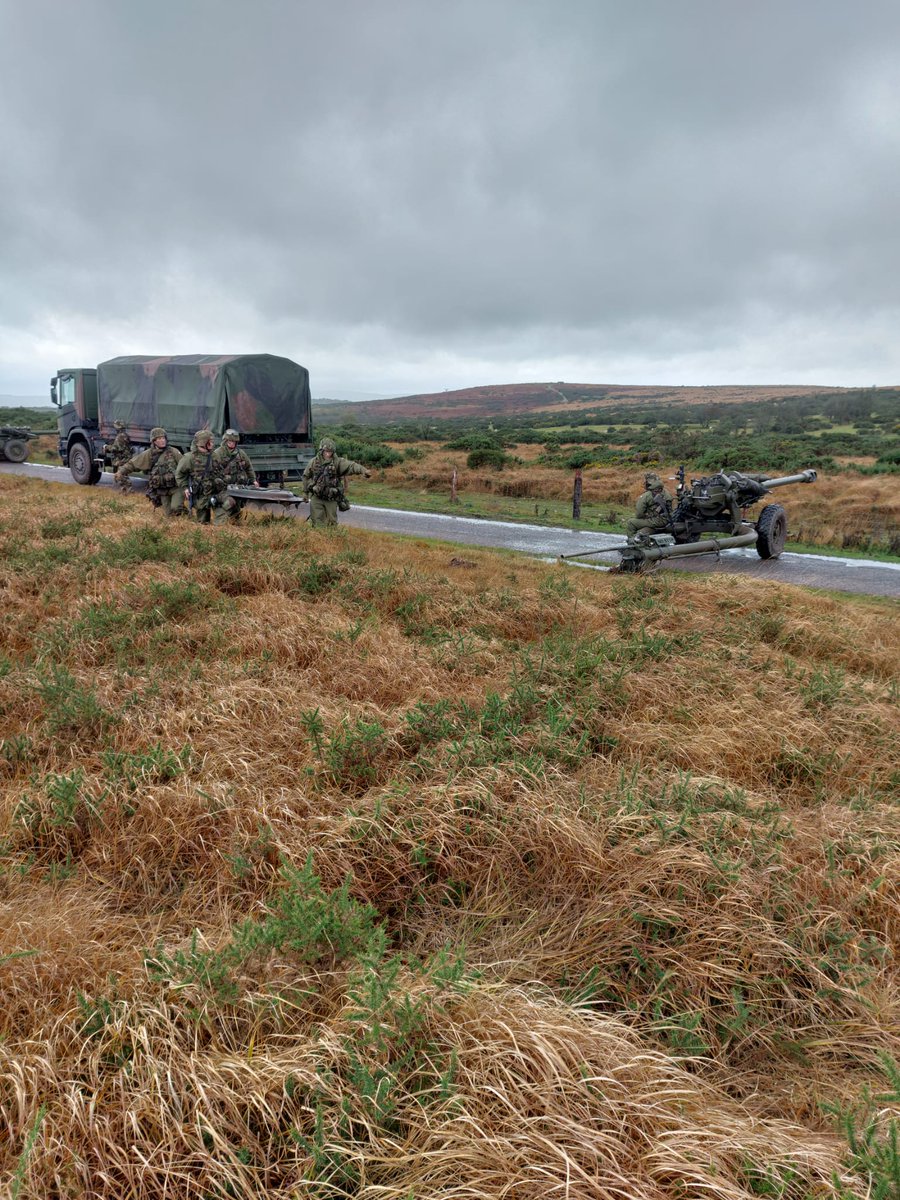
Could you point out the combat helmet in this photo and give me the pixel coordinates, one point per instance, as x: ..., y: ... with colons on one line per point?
x: 157, y: 432
x: 202, y: 438
x: 231, y: 435
x: 118, y: 425
x: 652, y: 480
x: 327, y: 444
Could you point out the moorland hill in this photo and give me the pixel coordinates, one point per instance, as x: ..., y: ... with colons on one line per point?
x: 511, y: 399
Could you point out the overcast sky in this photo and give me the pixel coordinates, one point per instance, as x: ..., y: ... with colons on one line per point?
x: 412, y: 195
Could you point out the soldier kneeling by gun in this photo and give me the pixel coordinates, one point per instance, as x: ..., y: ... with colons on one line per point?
x: 203, y: 480
x: 653, y: 511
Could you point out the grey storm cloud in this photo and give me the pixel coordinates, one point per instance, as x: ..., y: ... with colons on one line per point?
x: 406, y: 194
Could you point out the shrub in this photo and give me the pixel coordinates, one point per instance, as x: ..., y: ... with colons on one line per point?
x: 486, y: 458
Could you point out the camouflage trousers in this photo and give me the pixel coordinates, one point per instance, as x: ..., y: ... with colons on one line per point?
x: 124, y: 485
x: 322, y: 512
x: 216, y: 510
x: 171, y: 504
x: 634, y: 525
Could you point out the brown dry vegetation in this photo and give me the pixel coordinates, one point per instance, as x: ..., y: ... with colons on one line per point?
x: 329, y: 869
x: 517, y: 398
x: 840, y: 511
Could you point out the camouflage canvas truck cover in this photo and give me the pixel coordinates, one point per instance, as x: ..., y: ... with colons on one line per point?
x: 265, y: 397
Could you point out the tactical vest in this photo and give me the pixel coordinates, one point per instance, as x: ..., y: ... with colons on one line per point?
x: 207, y: 476
x: 237, y: 468
x: 161, y: 477
x: 326, y: 484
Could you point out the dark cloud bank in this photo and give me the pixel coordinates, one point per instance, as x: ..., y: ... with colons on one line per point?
x: 412, y: 196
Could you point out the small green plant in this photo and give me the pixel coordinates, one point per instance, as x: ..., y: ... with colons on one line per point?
x: 16, y: 750
x: 27, y: 1150
x: 60, y: 527
x: 148, y: 766
x: 70, y: 708
x: 145, y: 544
x: 317, y: 575
x: 873, y: 1136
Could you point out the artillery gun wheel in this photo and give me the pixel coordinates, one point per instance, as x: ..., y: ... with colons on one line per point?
x: 15, y: 450
x: 83, y: 468
x: 771, y: 531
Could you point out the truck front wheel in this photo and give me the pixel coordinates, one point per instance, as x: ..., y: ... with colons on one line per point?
x: 83, y: 468
x: 771, y: 531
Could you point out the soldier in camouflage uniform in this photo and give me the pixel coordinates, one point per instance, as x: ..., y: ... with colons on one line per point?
x: 653, y: 511
x: 203, y: 480
x: 158, y: 463
x: 238, y: 470
x: 323, y: 483
x: 120, y: 451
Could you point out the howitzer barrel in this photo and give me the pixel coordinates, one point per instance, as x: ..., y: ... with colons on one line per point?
x: 708, y: 546
x: 804, y: 477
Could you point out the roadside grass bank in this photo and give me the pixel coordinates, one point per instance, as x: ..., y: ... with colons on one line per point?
x: 331, y: 868
x: 606, y: 518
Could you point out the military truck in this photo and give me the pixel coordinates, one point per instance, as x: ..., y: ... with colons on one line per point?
x: 264, y: 397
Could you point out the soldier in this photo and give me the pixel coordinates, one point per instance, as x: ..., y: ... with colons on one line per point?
x: 323, y: 483
x: 238, y: 470
x: 203, y: 480
x: 120, y: 451
x: 653, y: 510
x: 159, y: 463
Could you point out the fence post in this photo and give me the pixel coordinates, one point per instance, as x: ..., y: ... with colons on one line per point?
x: 576, y: 496
x: 453, y: 497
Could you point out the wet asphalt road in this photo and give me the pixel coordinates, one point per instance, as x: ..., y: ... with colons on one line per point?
x: 809, y: 570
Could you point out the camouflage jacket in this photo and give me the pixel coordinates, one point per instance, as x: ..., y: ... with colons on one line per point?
x: 326, y: 479
x: 120, y: 449
x: 159, y: 466
x: 235, y: 464
x: 654, y: 506
x: 203, y: 474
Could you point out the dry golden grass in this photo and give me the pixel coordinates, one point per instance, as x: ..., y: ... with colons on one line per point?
x: 630, y: 847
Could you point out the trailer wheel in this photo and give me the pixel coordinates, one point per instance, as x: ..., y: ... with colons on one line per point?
x: 771, y: 531
x: 84, y: 469
x: 16, y: 450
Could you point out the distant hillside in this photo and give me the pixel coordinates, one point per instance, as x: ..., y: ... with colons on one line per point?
x: 509, y: 399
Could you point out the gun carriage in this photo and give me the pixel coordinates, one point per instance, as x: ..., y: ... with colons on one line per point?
x: 710, y: 516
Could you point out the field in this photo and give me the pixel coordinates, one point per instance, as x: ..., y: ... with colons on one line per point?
x: 519, y: 464
x: 841, y: 512
x: 338, y: 865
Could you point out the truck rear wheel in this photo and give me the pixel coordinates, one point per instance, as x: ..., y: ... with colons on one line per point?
x: 83, y: 468
x: 771, y: 531
x: 16, y: 450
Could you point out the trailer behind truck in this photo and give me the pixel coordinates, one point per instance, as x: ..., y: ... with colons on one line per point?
x: 264, y: 397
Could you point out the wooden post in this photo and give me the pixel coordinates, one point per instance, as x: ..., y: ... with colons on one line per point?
x: 576, y: 496
x: 453, y: 497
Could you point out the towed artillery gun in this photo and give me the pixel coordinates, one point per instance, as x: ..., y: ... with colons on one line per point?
x: 708, y: 517
x: 14, y: 443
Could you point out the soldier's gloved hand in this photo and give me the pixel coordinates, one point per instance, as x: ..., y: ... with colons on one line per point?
x: 119, y: 477
x: 256, y: 483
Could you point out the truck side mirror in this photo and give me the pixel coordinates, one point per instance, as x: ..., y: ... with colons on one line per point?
x: 53, y: 395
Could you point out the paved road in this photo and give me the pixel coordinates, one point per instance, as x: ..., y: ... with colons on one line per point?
x: 810, y: 570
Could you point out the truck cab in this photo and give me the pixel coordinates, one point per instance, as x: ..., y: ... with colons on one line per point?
x: 74, y: 392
